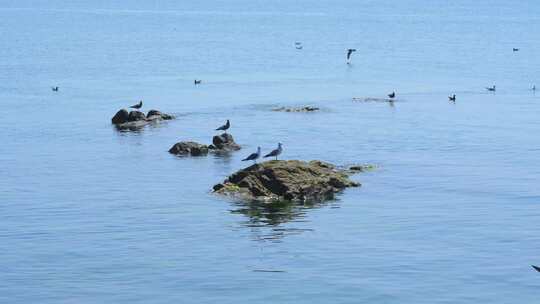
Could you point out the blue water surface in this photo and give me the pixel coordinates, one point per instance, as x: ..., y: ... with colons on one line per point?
x: 89, y: 214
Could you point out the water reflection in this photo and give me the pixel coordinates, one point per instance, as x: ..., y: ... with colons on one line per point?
x: 266, y: 220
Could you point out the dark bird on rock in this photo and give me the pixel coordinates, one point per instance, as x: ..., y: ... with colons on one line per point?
x: 225, y: 127
x: 275, y: 152
x: 254, y: 156
x: 536, y: 268
x: 137, y: 106
x: 492, y: 89
x: 452, y: 98
x: 392, y: 95
x: 349, y: 53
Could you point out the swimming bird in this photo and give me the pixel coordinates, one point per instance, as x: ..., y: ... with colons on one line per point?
x: 254, y: 156
x: 452, y: 98
x: 55, y: 89
x: 137, y: 106
x: 492, y: 89
x: 392, y: 95
x: 196, y: 82
x: 349, y: 53
x: 536, y: 268
x: 515, y: 49
x: 275, y: 152
x: 225, y: 127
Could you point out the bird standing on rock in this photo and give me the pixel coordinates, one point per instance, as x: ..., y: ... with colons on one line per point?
x: 137, y: 106
x: 225, y: 127
x: 254, y: 156
x: 275, y: 152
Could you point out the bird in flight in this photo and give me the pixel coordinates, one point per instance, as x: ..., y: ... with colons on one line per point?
x: 349, y: 53
x: 392, y: 95
x: 492, y: 89
x: 452, y: 98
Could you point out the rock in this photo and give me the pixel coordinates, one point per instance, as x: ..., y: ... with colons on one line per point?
x: 121, y: 116
x: 224, y: 142
x: 136, y: 116
x: 156, y: 113
x: 189, y: 148
x: 291, y: 180
x: 361, y: 168
x: 135, y: 120
x: 299, y: 109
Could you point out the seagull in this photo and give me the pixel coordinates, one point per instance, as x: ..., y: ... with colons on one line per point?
x: 515, y: 49
x: 137, y: 106
x: 225, y: 127
x: 275, y: 152
x: 55, y: 89
x: 452, y: 98
x: 536, y: 268
x: 254, y: 156
x: 492, y: 89
x: 196, y: 82
x: 349, y: 53
x: 392, y: 95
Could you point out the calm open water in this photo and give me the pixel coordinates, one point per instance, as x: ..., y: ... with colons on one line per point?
x: 92, y: 215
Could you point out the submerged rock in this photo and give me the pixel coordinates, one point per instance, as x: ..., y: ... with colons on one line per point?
x: 224, y: 142
x: 135, y: 119
x: 291, y: 180
x: 297, y: 109
x: 189, y: 148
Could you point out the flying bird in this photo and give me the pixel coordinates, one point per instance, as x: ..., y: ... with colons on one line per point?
x: 536, y: 268
x: 55, y: 89
x: 392, y: 95
x: 452, y: 98
x: 254, y: 156
x: 298, y: 45
x: 275, y: 152
x: 492, y: 89
x: 137, y: 106
x: 196, y: 82
x: 515, y: 49
x: 225, y: 127
x: 349, y: 53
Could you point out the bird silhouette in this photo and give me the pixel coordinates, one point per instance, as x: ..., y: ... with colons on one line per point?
x: 254, y: 156
x: 492, y: 89
x: 196, y: 82
x: 137, y: 106
x: 349, y: 53
x: 55, y: 89
x: 452, y: 98
x: 536, y: 268
x: 275, y: 152
x: 225, y: 127
x: 392, y: 95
